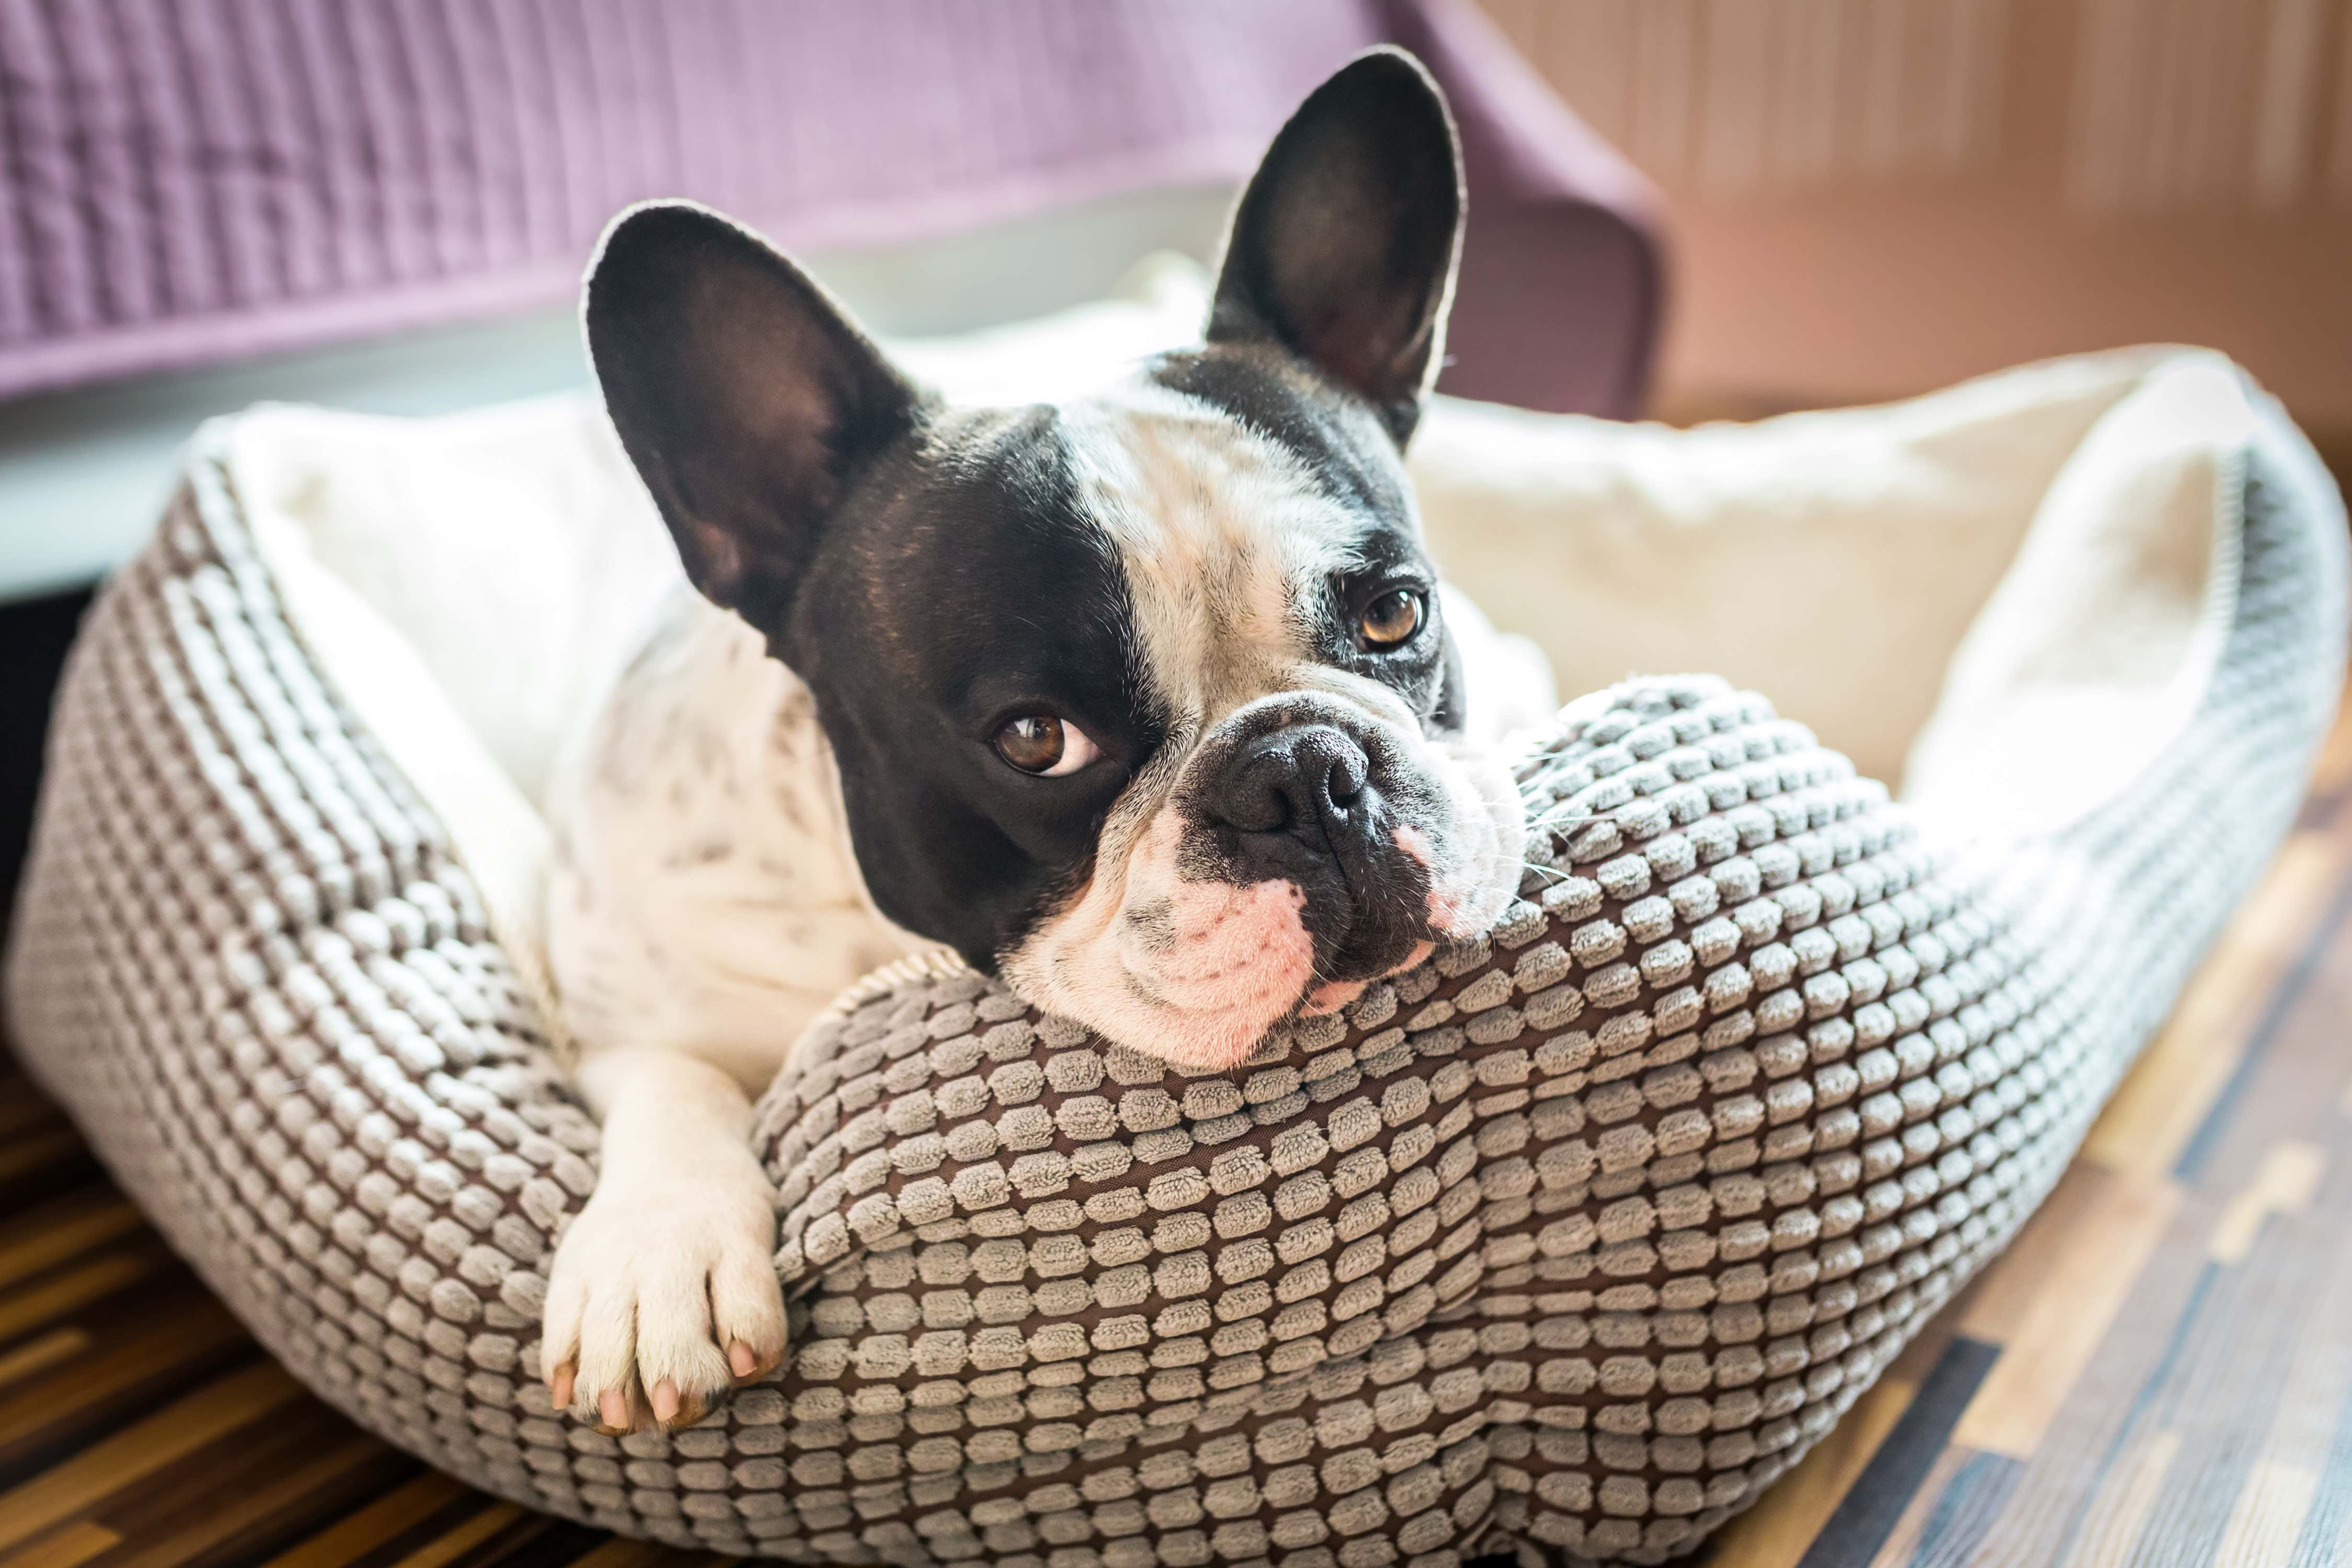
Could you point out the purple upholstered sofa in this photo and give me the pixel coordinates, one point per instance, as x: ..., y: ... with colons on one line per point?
x: 385, y: 205
x: 187, y: 183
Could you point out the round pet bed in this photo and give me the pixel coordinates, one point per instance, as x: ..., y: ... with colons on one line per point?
x: 1571, y: 1239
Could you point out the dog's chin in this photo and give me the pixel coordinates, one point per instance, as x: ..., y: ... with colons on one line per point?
x: 1207, y: 1003
x: 1332, y: 995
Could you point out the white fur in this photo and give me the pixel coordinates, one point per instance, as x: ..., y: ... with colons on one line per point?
x: 1219, y: 530
x: 702, y: 893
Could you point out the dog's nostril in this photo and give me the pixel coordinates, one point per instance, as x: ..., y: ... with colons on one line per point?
x: 1253, y: 797
x: 1345, y: 780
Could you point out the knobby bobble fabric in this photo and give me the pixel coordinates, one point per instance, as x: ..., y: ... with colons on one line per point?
x: 1570, y: 1240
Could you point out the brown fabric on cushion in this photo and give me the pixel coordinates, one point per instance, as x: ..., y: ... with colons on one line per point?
x: 1614, y: 1232
x: 1581, y: 1203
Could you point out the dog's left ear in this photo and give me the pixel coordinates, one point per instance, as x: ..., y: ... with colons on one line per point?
x: 1342, y: 249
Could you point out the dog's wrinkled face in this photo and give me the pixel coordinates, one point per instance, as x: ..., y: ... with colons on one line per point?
x: 1142, y: 699
x: 1298, y: 826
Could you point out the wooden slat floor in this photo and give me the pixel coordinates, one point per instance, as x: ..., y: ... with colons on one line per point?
x: 2158, y: 1372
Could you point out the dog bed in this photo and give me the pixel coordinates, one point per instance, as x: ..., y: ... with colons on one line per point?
x: 1570, y: 1241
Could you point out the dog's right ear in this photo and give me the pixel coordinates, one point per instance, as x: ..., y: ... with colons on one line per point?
x: 746, y: 398
x: 1343, y: 246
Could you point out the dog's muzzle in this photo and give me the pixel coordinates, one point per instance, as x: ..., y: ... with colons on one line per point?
x: 1314, y: 794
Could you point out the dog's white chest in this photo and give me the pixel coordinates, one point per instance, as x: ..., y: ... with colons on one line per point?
x: 702, y: 894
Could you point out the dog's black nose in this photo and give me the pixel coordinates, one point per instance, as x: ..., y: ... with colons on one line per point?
x: 1300, y: 778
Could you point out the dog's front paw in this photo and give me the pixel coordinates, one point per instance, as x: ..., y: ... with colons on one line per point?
x: 663, y: 1297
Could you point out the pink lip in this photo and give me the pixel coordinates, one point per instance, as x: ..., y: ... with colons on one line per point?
x: 1449, y: 915
x: 1331, y: 996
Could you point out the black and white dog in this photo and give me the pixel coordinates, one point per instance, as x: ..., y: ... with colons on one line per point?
x: 1145, y: 701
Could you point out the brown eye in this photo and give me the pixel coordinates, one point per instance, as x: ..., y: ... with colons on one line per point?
x: 1042, y: 743
x: 1390, y: 618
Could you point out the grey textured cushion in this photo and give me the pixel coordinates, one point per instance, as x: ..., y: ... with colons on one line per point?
x: 1575, y: 1237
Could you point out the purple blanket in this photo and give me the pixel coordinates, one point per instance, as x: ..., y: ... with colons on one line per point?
x: 189, y: 182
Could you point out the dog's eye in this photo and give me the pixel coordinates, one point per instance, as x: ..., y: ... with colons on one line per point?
x: 1390, y: 618
x: 1041, y: 744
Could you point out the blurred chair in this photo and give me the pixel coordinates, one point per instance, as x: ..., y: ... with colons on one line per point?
x: 387, y: 206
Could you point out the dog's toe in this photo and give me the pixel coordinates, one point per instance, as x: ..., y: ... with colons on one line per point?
x: 747, y: 1313
x: 678, y: 1362
x: 658, y: 1310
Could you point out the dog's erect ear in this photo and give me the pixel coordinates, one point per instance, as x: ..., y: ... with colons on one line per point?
x: 1342, y: 249
x: 747, y: 399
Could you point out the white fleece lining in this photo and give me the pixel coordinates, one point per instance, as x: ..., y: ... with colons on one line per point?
x: 2097, y: 647
x: 1833, y: 561
x: 2009, y: 594
x: 498, y: 836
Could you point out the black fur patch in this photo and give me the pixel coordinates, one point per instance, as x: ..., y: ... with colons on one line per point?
x: 964, y: 585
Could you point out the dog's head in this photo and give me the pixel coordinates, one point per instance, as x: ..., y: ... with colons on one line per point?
x: 1143, y: 699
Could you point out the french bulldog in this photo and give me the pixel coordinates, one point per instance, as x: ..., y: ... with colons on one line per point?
x: 1147, y: 702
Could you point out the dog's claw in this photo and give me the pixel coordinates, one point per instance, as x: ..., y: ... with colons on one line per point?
x: 665, y: 1397
x: 743, y: 1362
x: 558, y: 1386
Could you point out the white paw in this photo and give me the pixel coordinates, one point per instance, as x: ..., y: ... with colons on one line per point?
x: 663, y: 1298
